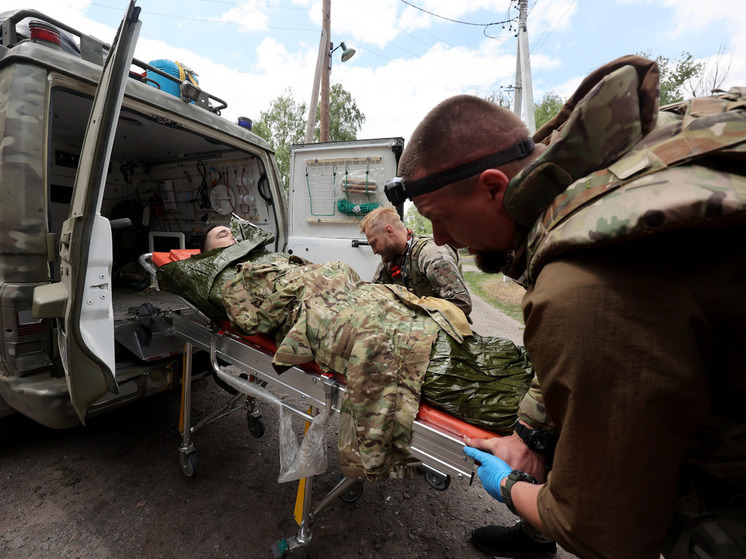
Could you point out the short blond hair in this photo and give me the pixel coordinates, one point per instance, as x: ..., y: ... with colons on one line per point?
x: 379, y: 218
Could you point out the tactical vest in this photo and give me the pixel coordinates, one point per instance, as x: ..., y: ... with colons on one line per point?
x: 688, y: 172
x: 417, y: 281
x: 411, y: 276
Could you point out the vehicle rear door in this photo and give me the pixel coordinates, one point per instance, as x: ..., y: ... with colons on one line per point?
x: 86, y: 332
x: 332, y: 186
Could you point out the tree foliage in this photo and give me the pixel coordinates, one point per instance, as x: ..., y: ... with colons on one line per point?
x: 345, y: 119
x: 284, y: 124
x: 543, y: 111
x: 549, y: 106
x: 500, y: 98
x: 676, y: 76
x: 417, y: 223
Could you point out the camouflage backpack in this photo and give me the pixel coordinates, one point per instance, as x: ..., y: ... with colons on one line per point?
x: 602, y: 180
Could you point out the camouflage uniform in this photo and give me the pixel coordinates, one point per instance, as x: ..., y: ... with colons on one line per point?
x: 378, y: 336
x: 428, y: 270
x: 624, y: 201
x: 325, y: 313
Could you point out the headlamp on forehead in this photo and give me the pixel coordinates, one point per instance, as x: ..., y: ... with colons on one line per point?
x: 397, y: 191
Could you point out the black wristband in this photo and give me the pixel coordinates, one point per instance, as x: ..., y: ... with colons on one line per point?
x: 515, y: 476
x: 535, y: 439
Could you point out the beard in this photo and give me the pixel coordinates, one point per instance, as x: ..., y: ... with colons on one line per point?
x: 387, y: 256
x: 491, y: 262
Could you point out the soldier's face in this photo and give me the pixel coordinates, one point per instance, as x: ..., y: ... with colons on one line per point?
x: 220, y: 237
x: 469, y: 216
x: 383, y: 244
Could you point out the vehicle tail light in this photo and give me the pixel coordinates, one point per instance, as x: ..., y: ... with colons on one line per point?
x: 41, y: 31
x: 27, y: 341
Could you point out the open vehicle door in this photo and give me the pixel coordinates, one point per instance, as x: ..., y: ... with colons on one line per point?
x: 86, y: 331
x: 333, y: 185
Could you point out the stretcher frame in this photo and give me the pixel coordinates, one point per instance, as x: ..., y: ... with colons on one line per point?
x: 436, y: 447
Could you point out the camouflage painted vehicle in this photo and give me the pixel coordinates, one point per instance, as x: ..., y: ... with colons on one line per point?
x: 105, y: 159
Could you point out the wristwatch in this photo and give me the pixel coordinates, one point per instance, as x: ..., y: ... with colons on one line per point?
x: 535, y: 439
x: 515, y: 476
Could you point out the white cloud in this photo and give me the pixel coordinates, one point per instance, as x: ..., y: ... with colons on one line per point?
x: 394, y: 91
x: 553, y: 15
x: 394, y: 97
x: 247, y: 16
x: 727, y: 18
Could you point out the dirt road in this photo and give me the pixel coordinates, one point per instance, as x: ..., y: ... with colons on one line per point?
x: 114, y: 489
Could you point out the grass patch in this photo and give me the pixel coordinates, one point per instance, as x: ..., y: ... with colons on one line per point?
x: 501, y: 294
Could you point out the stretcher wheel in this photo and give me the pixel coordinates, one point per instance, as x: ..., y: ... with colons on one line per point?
x: 256, y: 424
x: 353, y: 493
x: 188, y: 464
x: 436, y: 481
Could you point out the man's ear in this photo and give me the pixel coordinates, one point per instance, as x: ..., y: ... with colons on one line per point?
x: 494, y: 182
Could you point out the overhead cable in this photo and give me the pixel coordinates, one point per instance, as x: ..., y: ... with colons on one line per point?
x: 484, y: 25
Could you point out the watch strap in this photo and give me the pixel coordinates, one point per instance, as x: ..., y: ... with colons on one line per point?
x: 514, y: 477
x: 536, y: 439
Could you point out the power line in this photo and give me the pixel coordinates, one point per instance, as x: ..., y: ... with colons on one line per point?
x: 455, y: 20
x: 542, y: 39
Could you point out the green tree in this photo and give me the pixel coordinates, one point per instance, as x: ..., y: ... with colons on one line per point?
x: 543, y: 111
x: 417, y: 223
x: 677, y: 76
x: 345, y: 119
x: 501, y: 98
x: 284, y: 124
x: 549, y: 106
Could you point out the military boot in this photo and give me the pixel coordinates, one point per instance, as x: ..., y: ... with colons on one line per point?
x: 511, y: 541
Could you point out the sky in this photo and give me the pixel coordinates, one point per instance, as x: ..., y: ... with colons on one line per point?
x: 410, y: 54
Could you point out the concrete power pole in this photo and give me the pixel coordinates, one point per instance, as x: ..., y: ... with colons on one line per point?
x: 322, y: 65
x: 524, y: 92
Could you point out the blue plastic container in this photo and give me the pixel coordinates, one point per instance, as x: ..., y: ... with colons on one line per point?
x: 172, y: 68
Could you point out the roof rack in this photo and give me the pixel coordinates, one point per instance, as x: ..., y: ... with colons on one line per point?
x: 94, y: 51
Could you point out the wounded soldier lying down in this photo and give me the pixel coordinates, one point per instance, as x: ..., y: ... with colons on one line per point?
x: 391, y: 346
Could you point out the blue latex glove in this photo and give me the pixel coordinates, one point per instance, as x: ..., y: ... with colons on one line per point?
x: 492, y: 471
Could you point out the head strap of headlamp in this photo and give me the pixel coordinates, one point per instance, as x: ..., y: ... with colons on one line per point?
x: 439, y: 180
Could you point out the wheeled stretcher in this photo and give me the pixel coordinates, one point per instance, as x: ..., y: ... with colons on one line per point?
x: 437, y: 438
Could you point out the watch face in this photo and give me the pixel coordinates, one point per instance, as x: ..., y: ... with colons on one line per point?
x: 535, y: 439
x: 538, y: 441
x: 222, y: 199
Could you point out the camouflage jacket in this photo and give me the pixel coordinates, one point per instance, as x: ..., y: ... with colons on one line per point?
x: 616, y: 169
x: 429, y: 270
x: 325, y: 313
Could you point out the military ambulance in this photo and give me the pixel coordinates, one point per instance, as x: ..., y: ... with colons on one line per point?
x: 105, y: 160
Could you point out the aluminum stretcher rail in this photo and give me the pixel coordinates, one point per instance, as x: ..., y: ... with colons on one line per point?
x: 436, y: 437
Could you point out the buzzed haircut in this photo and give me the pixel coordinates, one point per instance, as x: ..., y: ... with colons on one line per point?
x: 203, y: 244
x: 380, y: 217
x: 458, y: 130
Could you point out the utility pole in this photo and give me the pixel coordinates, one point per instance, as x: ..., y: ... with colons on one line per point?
x: 322, y: 69
x: 325, y: 71
x: 524, y: 92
